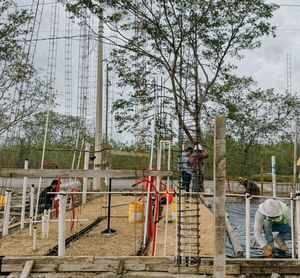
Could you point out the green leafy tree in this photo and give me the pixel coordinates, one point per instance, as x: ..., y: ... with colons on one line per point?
x: 255, y: 116
x: 22, y: 93
x: 61, y: 137
x: 190, y: 43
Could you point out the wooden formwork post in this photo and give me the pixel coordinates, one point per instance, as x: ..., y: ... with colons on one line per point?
x: 219, y: 197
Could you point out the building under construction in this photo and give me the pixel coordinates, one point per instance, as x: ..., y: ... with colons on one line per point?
x: 89, y: 207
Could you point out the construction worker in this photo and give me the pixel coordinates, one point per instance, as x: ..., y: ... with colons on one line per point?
x: 272, y: 216
x: 46, y: 200
x: 196, y: 162
x: 250, y: 186
x: 185, y: 169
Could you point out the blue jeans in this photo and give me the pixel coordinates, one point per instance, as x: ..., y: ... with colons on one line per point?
x: 283, y: 229
x: 186, y: 180
x: 198, y: 182
x: 48, y: 206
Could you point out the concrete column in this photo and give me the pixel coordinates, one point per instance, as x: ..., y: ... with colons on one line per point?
x: 219, y: 197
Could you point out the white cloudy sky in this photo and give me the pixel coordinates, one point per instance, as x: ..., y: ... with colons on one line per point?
x: 268, y: 65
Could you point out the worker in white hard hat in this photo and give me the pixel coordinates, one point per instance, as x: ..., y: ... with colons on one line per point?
x: 196, y: 162
x: 272, y: 216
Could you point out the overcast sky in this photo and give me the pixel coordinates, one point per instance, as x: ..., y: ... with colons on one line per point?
x: 268, y: 64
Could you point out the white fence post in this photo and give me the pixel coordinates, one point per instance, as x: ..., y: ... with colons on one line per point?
x: 85, y: 167
x: 6, y: 212
x: 31, y: 208
x: 273, y: 176
x: 298, y: 222
x: 24, y: 196
x: 248, y: 214
x: 62, y: 223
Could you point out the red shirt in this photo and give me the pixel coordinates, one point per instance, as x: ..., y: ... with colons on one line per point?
x: 195, y: 160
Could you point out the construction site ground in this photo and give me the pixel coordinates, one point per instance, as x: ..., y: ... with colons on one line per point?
x: 126, y: 242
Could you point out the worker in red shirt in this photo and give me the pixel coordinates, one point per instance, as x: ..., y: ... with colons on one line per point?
x: 196, y: 162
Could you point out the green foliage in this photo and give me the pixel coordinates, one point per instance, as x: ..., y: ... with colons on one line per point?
x: 60, y: 144
x: 187, y: 43
x: 22, y: 93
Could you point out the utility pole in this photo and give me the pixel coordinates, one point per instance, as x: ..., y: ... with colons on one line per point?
x: 98, y: 133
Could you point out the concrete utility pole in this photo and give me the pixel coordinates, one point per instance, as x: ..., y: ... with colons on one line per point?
x: 98, y: 132
x: 219, y: 198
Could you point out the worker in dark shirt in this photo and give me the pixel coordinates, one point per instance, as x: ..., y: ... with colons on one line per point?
x: 46, y: 200
x: 250, y: 186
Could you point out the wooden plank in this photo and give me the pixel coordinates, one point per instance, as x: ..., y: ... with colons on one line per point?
x: 148, y: 274
x: 13, y: 275
x: 48, y: 173
x: 230, y: 269
x: 162, y: 265
x: 238, y: 250
x: 27, y: 269
x: 133, y: 154
x: 69, y: 267
x: 120, y: 267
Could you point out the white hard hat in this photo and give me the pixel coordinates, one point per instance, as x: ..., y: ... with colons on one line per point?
x: 270, y: 208
x: 198, y: 147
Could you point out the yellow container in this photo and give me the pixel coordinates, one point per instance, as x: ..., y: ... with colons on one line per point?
x: 136, y: 212
x: 2, y: 202
x: 174, y: 210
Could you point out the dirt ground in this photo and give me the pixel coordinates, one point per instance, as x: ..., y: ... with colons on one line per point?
x: 125, y: 242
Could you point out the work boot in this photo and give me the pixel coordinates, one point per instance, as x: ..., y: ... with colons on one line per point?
x: 281, y: 243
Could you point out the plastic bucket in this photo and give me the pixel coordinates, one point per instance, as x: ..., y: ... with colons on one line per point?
x: 136, y: 212
x: 2, y: 202
x: 174, y: 210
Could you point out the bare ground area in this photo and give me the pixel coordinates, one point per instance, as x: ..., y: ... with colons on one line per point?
x: 125, y: 242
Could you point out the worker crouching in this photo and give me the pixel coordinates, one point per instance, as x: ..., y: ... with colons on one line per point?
x: 272, y: 216
x: 250, y: 186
